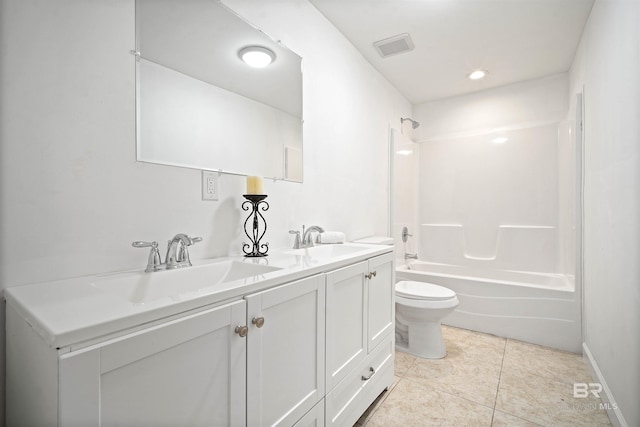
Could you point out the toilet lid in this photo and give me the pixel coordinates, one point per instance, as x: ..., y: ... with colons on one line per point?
x: 423, y: 291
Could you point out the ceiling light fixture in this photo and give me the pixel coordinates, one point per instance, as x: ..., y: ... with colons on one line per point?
x: 500, y: 140
x: 257, y: 56
x: 477, y: 74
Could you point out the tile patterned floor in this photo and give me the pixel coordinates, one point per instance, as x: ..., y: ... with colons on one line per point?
x: 487, y: 381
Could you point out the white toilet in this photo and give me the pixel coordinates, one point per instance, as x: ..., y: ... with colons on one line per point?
x: 419, y: 309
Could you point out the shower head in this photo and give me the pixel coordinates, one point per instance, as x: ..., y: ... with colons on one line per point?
x: 414, y: 124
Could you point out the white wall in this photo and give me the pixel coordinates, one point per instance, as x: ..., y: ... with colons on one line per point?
x: 72, y: 196
x: 607, y: 65
x: 347, y: 111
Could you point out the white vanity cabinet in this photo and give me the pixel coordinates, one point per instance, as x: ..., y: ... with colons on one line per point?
x: 310, y: 349
x: 185, y: 371
x: 360, y: 342
x: 285, y: 356
x: 380, y: 300
x: 346, y: 321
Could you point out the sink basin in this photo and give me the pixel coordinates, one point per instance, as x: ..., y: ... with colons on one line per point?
x: 144, y: 287
x: 328, y: 251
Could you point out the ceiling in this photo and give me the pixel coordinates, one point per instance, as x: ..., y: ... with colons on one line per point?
x: 514, y: 40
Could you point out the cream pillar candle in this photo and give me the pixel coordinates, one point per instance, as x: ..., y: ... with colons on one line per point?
x: 255, y: 185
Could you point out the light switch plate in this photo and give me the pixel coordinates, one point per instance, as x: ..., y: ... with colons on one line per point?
x: 210, y: 186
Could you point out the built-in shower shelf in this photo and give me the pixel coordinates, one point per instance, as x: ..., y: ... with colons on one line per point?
x: 507, y: 246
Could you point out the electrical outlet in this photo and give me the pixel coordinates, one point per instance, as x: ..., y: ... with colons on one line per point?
x: 210, y: 185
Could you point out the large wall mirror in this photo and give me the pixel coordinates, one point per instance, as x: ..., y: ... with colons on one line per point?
x: 199, y: 105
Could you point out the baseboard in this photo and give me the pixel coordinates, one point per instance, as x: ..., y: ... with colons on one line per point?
x: 613, y: 411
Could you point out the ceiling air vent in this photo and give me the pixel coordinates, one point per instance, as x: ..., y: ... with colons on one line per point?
x: 394, y: 45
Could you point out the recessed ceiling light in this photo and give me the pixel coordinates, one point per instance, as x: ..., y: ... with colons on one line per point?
x: 477, y: 75
x: 500, y: 140
x: 257, y: 56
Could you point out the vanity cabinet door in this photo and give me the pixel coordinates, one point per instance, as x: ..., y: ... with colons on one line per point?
x: 285, y: 355
x: 346, y: 321
x: 189, y: 371
x: 381, y: 301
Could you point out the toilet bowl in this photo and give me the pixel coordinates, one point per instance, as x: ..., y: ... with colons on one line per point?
x: 419, y: 309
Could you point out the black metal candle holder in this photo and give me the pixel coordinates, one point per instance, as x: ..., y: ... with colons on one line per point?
x: 255, y: 231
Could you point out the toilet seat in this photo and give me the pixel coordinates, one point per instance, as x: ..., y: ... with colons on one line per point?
x: 423, y: 291
x: 428, y: 304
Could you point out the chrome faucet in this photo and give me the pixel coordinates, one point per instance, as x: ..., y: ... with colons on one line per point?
x: 177, y: 253
x: 307, y: 240
x: 410, y: 256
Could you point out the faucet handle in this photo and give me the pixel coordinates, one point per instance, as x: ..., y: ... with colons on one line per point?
x: 406, y: 234
x: 296, y: 243
x: 187, y: 240
x: 183, y: 252
x: 154, y: 263
x: 139, y: 244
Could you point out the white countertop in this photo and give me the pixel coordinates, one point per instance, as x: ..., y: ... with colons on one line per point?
x: 70, y: 311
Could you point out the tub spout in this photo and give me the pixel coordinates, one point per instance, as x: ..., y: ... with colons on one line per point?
x: 410, y: 256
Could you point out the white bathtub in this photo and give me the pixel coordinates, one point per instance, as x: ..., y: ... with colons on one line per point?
x: 539, y: 308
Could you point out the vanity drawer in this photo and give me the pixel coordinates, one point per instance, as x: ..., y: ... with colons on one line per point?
x: 353, y: 395
x: 313, y: 418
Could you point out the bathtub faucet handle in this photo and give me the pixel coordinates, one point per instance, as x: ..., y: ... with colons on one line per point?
x: 405, y: 234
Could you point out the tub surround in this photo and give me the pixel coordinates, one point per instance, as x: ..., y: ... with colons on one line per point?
x: 504, y: 212
x: 498, y: 232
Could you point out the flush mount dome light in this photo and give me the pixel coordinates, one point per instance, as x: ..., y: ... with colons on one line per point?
x: 257, y: 56
x: 477, y: 74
